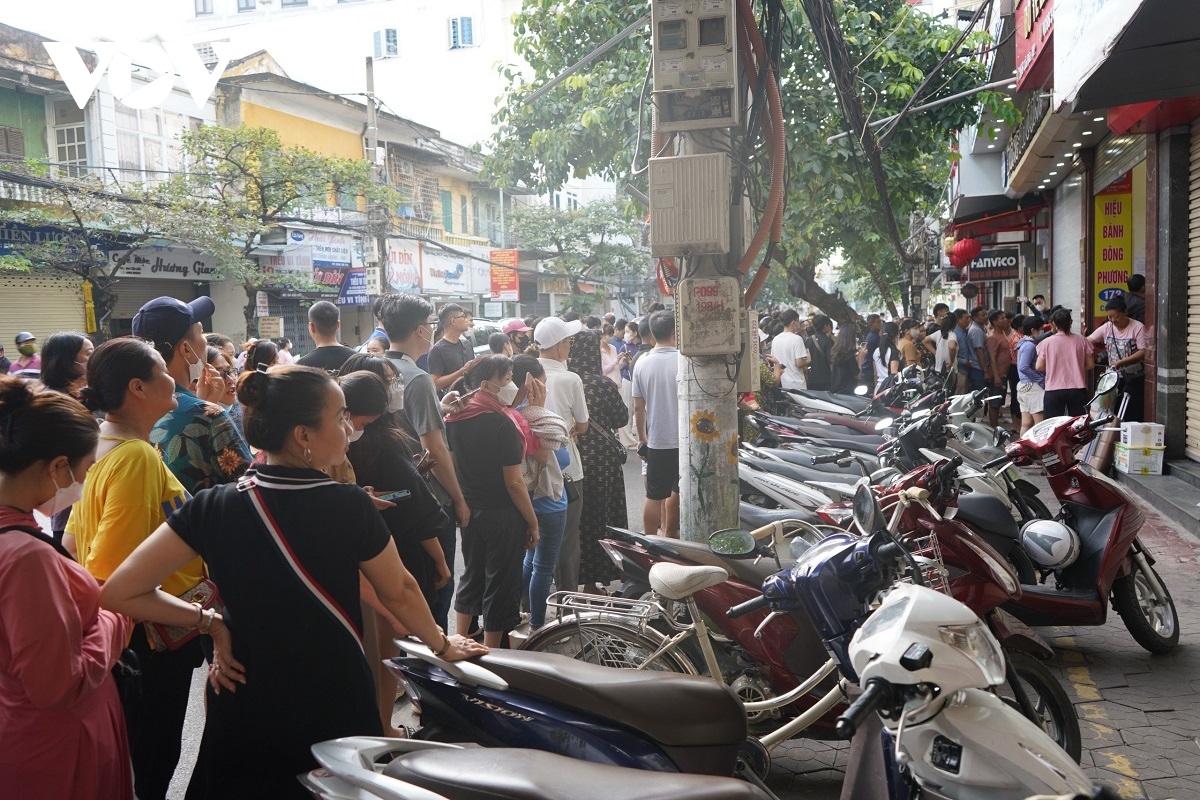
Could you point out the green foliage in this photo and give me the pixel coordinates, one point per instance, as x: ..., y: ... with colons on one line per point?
x: 596, y: 243
x: 588, y: 124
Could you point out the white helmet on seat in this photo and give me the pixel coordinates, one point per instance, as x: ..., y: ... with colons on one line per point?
x: 1050, y: 543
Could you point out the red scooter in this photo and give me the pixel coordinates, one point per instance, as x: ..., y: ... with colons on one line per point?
x: 1092, y: 548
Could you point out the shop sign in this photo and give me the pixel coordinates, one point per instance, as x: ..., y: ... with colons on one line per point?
x: 164, y: 262
x: 480, y: 270
x: 354, y: 289
x: 14, y: 236
x: 262, y: 304
x: 1114, y: 243
x: 553, y: 285
x: 270, y: 327
x: 493, y: 310
x: 443, y: 273
x: 995, y: 264
x: 1034, y: 43
x: 1086, y: 31
x: 1032, y: 115
x: 403, y: 265
x: 329, y: 281
x: 506, y: 285
x: 331, y: 250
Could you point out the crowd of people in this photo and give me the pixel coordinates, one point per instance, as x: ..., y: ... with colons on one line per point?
x: 283, y: 518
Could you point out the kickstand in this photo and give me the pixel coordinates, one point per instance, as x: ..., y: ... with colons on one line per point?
x: 744, y: 771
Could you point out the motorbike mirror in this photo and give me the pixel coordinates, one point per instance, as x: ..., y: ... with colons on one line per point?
x: 732, y: 542
x: 861, y: 391
x: 884, y: 424
x: 1108, y: 382
x: 868, y: 516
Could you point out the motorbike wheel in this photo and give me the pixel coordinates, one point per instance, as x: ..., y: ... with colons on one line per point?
x: 1022, y: 564
x: 1040, y: 510
x: 1153, y: 625
x: 1054, y: 708
x: 609, y: 645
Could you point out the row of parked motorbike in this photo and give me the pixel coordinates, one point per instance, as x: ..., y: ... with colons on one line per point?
x: 884, y: 596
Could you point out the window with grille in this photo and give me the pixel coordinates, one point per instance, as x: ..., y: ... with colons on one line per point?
x: 12, y: 143
x: 148, y: 142
x: 204, y: 7
x: 572, y: 201
x: 461, y: 32
x: 387, y: 43
x: 70, y: 149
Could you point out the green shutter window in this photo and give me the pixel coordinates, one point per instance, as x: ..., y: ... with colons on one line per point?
x: 448, y: 212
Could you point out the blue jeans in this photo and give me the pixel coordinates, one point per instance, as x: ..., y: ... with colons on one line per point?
x: 540, y: 562
x: 976, y: 379
x: 445, y: 595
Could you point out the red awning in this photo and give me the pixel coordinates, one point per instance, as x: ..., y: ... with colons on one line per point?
x: 1021, y: 219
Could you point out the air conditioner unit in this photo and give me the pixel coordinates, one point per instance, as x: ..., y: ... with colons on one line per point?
x: 387, y: 43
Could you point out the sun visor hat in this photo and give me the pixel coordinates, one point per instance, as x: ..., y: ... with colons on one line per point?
x: 165, y: 320
x: 553, y: 330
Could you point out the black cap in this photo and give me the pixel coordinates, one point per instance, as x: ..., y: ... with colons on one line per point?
x: 165, y: 320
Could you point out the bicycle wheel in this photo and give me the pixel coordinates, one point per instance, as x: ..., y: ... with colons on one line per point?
x: 610, y: 645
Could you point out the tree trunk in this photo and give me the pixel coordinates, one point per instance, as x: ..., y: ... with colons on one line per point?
x: 885, y: 290
x: 802, y: 283
x: 251, y: 311
x: 104, y: 300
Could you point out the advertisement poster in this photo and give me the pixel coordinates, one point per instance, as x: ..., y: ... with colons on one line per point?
x: 329, y: 250
x: 354, y: 289
x: 1113, y: 261
x: 442, y: 273
x: 995, y: 264
x: 506, y: 285
x: 270, y: 327
x: 403, y: 265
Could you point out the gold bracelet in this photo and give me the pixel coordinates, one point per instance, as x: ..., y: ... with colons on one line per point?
x: 444, y: 648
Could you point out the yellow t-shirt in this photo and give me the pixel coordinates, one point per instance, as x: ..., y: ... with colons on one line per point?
x: 128, y: 493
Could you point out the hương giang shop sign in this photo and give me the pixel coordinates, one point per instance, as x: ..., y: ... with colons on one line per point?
x: 171, y: 263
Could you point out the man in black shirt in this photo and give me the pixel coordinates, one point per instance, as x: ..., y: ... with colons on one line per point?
x: 324, y: 323
x: 4, y: 362
x: 1135, y: 298
x: 820, y: 344
x: 454, y: 353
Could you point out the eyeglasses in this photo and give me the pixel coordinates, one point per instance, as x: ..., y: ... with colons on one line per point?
x: 230, y: 373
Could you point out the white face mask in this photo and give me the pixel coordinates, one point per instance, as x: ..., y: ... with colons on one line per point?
x: 507, y: 393
x: 64, y: 497
x: 195, y: 371
x: 355, y: 435
x: 629, y: 336
x: 1040, y: 306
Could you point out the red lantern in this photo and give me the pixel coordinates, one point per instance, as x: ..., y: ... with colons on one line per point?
x: 967, y: 250
x: 956, y: 260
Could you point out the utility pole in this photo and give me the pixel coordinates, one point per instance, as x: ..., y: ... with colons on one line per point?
x: 372, y: 120
x: 697, y: 96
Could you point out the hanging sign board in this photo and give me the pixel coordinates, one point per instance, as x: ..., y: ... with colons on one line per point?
x: 506, y: 284
x: 1114, y: 244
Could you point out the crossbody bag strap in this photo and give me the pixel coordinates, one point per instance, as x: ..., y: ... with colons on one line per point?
x: 39, y: 535
x: 254, y: 496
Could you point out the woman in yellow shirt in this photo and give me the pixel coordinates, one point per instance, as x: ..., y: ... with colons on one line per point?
x: 129, y: 492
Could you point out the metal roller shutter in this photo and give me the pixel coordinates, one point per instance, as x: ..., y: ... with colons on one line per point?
x: 133, y: 293
x: 40, y: 305
x: 1115, y: 156
x: 1192, y: 446
x: 1065, y: 267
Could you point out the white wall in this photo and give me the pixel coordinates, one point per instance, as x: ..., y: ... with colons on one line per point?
x: 230, y: 300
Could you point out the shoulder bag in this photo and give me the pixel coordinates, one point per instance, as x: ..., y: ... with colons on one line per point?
x: 609, y: 440
x: 203, y: 595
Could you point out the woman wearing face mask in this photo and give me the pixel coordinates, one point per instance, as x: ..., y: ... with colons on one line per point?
x: 379, y: 454
x: 64, y: 364
x: 29, y: 363
x: 129, y: 493
x: 489, y: 442
x: 62, y: 735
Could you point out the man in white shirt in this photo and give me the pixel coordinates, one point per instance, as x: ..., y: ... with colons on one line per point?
x: 656, y: 410
x: 564, y: 396
x: 791, y: 356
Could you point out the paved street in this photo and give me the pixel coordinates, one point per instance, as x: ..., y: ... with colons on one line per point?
x: 1139, y: 714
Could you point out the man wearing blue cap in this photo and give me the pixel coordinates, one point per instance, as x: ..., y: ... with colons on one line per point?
x: 199, y: 442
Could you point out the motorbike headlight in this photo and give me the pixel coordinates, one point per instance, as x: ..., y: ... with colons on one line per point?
x: 977, y: 642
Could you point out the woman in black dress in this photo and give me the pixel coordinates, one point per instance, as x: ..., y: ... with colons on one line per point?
x: 846, y: 357
x: 285, y: 546
x: 603, y: 478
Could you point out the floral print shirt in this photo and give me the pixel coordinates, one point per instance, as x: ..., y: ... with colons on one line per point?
x: 200, y: 444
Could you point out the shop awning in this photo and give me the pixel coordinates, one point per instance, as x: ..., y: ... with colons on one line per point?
x: 987, y: 224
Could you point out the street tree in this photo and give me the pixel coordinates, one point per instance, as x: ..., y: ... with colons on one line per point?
x: 89, y: 229
x: 246, y: 181
x: 590, y: 124
x: 592, y: 247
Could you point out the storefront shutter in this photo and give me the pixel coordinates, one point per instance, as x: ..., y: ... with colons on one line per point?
x: 1192, y: 445
x: 133, y: 293
x: 40, y: 305
x: 1115, y: 156
x: 1065, y: 267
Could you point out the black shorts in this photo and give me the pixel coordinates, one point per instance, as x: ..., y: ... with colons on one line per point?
x: 662, y: 473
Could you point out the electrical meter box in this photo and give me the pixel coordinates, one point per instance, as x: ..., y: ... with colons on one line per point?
x: 708, y: 316
x: 689, y: 205
x: 749, y: 376
x: 695, y: 64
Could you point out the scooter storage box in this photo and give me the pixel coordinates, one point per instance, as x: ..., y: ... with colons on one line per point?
x: 1142, y: 434
x: 1139, y: 460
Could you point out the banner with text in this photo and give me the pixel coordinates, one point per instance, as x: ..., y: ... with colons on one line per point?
x: 403, y: 265
x: 995, y: 264
x: 1114, y: 243
x: 443, y: 273
x: 164, y: 262
x: 506, y: 285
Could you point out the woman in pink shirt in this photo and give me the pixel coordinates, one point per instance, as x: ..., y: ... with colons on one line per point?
x: 62, y: 731
x: 1066, y: 359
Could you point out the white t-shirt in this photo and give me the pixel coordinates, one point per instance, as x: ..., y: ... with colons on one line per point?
x: 656, y: 380
x: 882, y: 370
x: 564, y: 396
x: 941, y: 355
x: 786, y: 348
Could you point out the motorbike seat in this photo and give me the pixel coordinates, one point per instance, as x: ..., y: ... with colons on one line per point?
x: 752, y: 517
x: 502, y: 773
x: 867, y: 445
x: 674, y: 710
x: 680, y: 581
x: 988, y: 514
x: 748, y: 570
x: 803, y: 458
x: 796, y: 472
x: 850, y: 401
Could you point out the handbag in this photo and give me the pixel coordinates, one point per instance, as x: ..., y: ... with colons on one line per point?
x: 607, y: 437
x: 170, y: 637
x: 127, y: 672
x: 572, y: 490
